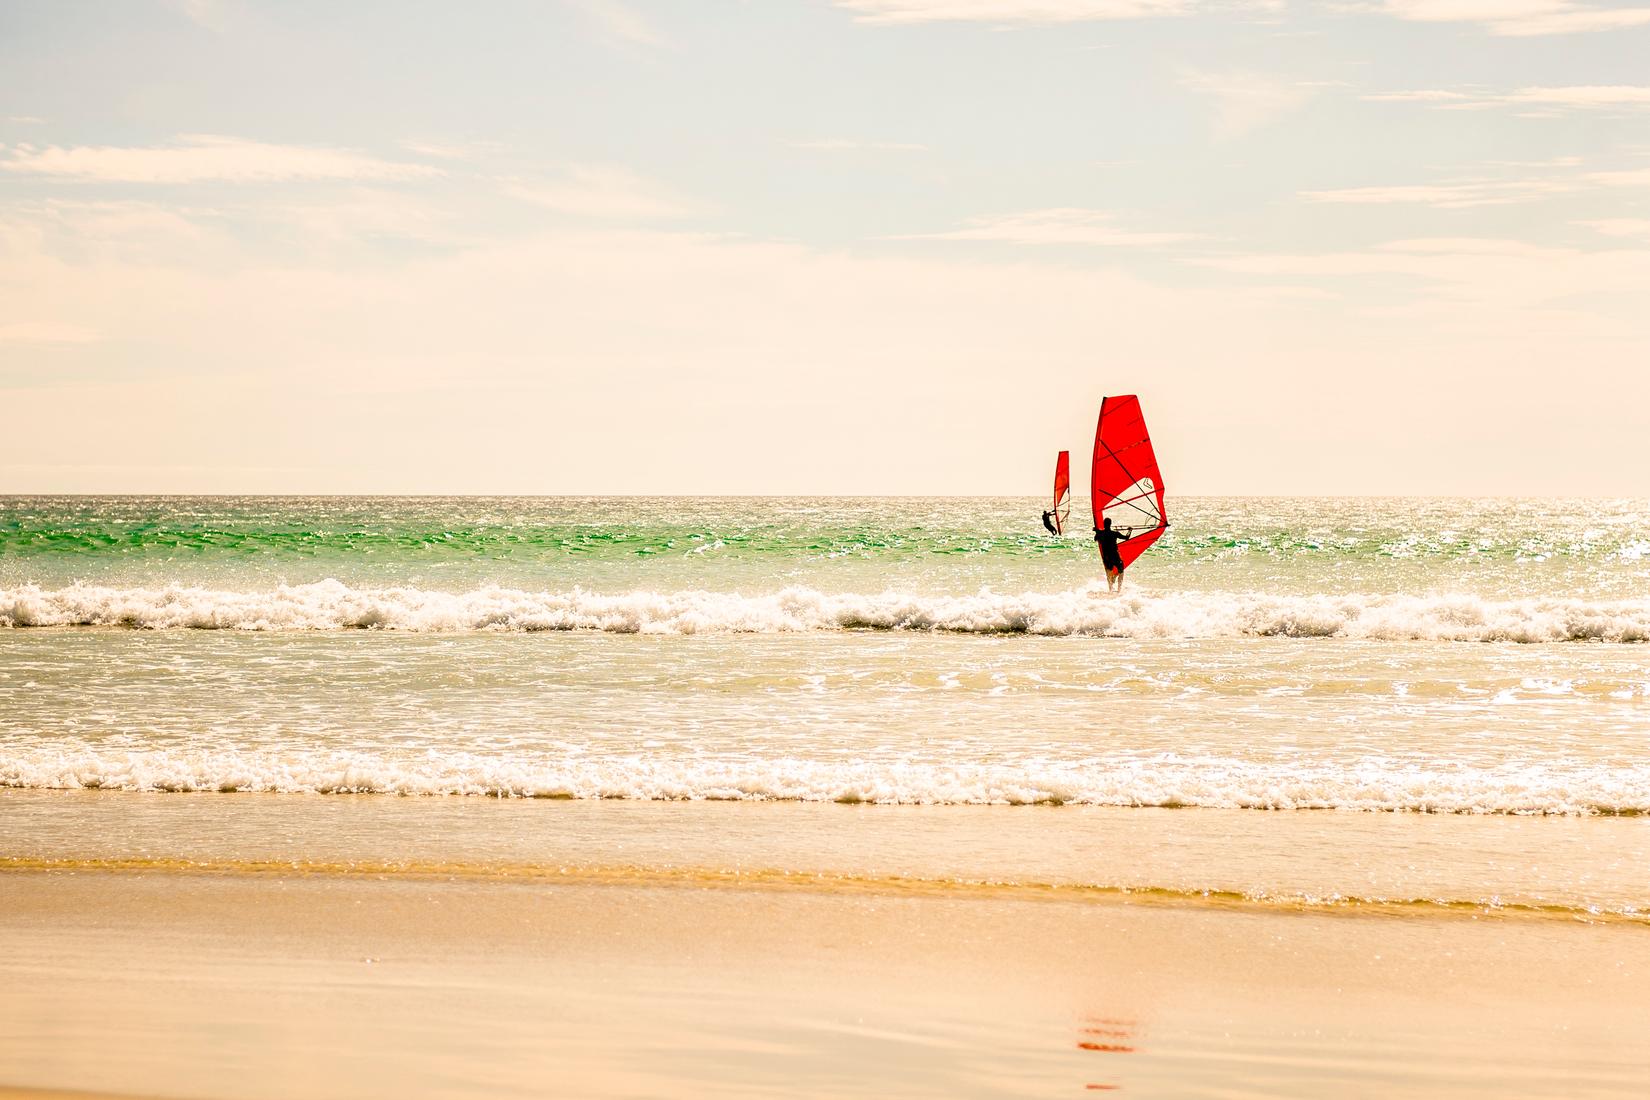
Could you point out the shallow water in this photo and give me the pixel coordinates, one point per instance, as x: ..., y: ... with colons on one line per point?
x: 1433, y: 659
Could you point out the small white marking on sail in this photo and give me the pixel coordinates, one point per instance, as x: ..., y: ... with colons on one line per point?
x: 1135, y: 507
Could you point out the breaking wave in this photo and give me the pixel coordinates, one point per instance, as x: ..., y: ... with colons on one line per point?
x: 1164, y: 781
x: 334, y: 606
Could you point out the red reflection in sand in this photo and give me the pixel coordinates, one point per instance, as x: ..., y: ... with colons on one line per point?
x: 1106, y: 1035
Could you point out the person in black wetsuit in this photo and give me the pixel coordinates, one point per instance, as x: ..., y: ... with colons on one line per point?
x: 1048, y: 521
x: 1108, y: 539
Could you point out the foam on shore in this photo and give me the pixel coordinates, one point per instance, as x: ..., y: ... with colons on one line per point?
x: 1165, y: 781
x: 334, y: 606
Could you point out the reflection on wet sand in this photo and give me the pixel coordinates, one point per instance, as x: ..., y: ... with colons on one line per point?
x: 1107, y: 1035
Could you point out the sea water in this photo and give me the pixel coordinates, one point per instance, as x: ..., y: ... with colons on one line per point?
x: 1299, y: 701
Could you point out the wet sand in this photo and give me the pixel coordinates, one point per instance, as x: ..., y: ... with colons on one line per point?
x: 275, y: 985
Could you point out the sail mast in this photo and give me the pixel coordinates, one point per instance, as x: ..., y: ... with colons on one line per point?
x: 1062, y: 491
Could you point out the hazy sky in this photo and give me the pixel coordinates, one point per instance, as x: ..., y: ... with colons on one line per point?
x: 797, y: 246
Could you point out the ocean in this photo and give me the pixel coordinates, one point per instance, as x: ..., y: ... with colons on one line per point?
x: 1421, y: 704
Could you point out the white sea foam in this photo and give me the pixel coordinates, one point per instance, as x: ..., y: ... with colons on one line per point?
x: 1165, y: 781
x: 331, y: 605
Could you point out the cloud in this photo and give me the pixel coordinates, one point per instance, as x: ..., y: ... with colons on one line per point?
x: 1518, y: 18
x: 351, y: 227
x: 606, y: 192
x: 1447, y: 195
x: 1576, y: 97
x: 548, y: 343
x: 1437, y: 98
x: 848, y: 144
x: 620, y: 21
x: 116, y: 232
x: 1064, y: 225
x: 1426, y: 95
x: 1011, y: 11
x: 1586, y: 95
x: 1469, y: 191
x: 1480, y: 283
x: 203, y: 158
x: 435, y: 149
x: 1414, y: 256
x: 1620, y: 227
x: 1632, y: 177
x: 1246, y: 101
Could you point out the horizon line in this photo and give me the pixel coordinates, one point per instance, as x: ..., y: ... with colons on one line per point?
x: 175, y: 495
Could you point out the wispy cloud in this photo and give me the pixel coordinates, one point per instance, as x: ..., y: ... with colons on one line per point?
x: 25, y: 120
x: 1448, y: 194
x: 1620, y: 227
x: 1423, y: 95
x: 1517, y: 18
x: 1458, y: 279
x: 347, y: 225
x: 200, y: 158
x: 435, y: 149
x: 1556, y: 177
x: 1585, y: 95
x: 842, y: 145
x: 1011, y: 11
x: 604, y: 191
x: 1629, y: 177
x: 620, y: 21
x: 1404, y: 257
x: 1062, y: 225
x: 1574, y: 97
x: 1246, y: 101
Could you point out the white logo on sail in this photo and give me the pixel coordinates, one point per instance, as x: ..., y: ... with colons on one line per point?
x: 1135, y: 507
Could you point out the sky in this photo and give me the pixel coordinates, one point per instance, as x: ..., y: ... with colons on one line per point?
x: 823, y: 246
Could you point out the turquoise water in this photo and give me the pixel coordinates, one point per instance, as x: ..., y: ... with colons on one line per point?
x: 1493, y: 547
x: 1461, y: 658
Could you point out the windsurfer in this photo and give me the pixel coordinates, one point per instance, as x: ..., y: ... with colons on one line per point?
x: 1107, y: 537
x: 1048, y: 521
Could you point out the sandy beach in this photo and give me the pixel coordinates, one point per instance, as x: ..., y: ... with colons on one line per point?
x: 250, y: 985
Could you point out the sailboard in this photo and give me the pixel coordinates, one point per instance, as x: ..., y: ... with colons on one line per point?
x: 1128, y: 488
x: 1062, y: 492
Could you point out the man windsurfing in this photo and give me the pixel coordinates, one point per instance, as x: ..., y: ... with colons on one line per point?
x: 1108, y: 539
x: 1048, y: 521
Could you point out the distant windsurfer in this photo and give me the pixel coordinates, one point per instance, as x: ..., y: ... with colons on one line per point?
x: 1108, y: 539
x: 1048, y: 521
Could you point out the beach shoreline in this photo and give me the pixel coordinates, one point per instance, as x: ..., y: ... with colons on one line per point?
x: 246, y: 986
x: 1475, y: 865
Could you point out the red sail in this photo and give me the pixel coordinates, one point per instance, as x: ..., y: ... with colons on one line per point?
x: 1128, y: 489
x: 1062, y: 491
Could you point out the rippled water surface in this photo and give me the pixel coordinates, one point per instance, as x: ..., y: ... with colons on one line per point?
x: 1423, y: 657
x: 1494, y: 547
